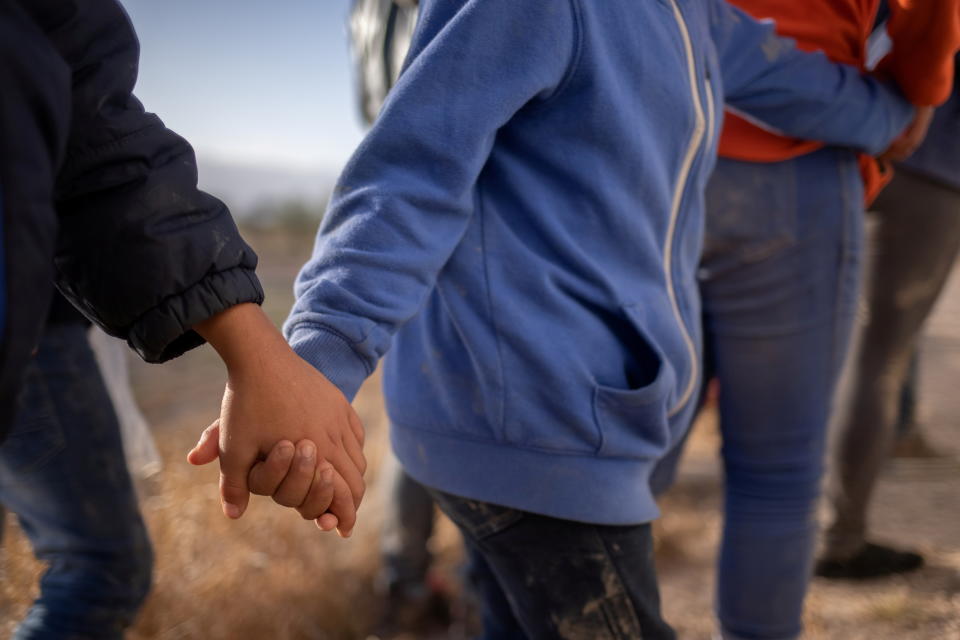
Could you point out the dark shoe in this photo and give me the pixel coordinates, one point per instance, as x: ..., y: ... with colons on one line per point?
x: 872, y: 561
x: 915, y: 445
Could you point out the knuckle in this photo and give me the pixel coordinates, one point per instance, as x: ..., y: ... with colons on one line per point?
x: 232, y: 485
x: 285, y: 501
x: 334, y: 440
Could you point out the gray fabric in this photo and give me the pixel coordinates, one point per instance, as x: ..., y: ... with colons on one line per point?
x: 913, y: 243
x: 380, y: 34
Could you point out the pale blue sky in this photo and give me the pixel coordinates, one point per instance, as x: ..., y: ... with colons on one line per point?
x: 261, y: 82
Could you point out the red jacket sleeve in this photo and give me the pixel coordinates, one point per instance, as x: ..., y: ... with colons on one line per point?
x: 926, y: 37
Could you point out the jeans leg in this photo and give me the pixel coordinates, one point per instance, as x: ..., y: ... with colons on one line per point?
x: 408, y: 525
x: 914, y: 245
x: 779, y: 286
x: 62, y: 472
x: 497, y: 617
x: 564, y: 579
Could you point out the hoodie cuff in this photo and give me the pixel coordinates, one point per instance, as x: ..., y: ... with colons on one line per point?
x: 332, y: 356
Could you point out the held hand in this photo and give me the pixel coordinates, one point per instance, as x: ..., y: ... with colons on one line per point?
x: 295, y: 478
x: 273, y: 395
x: 904, y: 146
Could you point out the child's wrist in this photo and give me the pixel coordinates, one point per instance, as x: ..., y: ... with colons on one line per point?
x: 244, y: 338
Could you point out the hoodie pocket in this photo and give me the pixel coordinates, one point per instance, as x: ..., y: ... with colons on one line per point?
x: 633, y: 421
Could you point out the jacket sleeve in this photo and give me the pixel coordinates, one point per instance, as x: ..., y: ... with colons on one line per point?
x: 142, y: 251
x: 925, y: 36
x: 405, y: 198
x: 801, y: 94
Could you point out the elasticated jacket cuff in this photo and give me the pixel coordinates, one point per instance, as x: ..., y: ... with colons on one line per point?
x: 164, y: 332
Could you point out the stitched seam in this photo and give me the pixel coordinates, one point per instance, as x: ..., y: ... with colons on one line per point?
x: 574, y: 65
x: 484, y: 254
x: 633, y: 611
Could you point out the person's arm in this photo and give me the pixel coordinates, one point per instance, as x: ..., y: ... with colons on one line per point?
x: 801, y: 94
x: 925, y: 38
x: 142, y: 251
x: 405, y: 199
x: 151, y: 258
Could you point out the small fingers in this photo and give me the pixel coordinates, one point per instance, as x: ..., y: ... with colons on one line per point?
x: 327, y: 522
x: 349, y: 472
x: 343, y: 507
x: 295, y: 486
x: 236, y: 460
x: 265, y: 477
x: 355, y: 451
x: 321, y: 493
x: 356, y: 426
x: 233, y: 494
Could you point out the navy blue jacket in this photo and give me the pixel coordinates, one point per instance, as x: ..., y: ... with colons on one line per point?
x: 98, y: 195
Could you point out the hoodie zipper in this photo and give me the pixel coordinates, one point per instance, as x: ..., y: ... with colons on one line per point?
x: 696, y: 142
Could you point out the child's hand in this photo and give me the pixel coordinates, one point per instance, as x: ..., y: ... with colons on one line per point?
x: 272, y: 396
x: 294, y: 477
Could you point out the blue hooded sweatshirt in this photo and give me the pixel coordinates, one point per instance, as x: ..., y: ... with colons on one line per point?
x: 521, y: 228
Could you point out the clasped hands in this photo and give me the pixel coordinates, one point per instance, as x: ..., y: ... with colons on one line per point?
x: 284, y: 430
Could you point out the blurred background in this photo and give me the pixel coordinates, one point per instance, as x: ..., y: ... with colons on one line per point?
x: 264, y: 91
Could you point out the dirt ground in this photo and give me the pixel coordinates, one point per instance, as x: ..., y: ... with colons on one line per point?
x: 273, y: 576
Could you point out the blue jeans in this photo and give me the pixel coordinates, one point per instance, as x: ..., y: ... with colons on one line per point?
x: 543, y: 578
x: 62, y: 472
x: 779, y: 281
x: 780, y: 275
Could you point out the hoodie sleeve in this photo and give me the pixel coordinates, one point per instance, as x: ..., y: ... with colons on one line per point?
x: 405, y: 199
x: 926, y: 37
x: 800, y: 94
x: 141, y: 251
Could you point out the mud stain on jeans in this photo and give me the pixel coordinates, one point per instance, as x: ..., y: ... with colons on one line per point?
x: 608, y: 615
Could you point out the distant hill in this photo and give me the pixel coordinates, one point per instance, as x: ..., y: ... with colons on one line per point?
x: 249, y: 189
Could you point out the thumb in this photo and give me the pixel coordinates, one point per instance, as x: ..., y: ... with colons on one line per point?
x: 207, y: 448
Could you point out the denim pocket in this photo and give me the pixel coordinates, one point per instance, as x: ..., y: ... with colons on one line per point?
x: 752, y: 212
x: 633, y: 421
x: 478, y: 519
x: 36, y: 436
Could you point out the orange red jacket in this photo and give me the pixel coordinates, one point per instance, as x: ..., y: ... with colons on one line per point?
x: 925, y: 35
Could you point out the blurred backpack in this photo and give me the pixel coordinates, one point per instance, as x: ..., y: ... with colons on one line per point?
x: 380, y: 35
